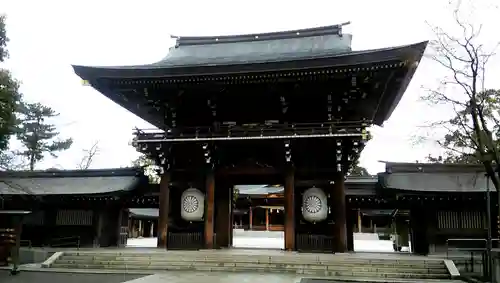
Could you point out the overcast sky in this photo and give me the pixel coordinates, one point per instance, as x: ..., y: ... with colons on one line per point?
x: 48, y: 36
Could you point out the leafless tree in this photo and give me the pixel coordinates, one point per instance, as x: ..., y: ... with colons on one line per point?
x: 9, y: 161
x: 472, y: 131
x: 88, y: 158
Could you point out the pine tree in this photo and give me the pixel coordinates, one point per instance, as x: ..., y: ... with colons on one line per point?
x: 9, y: 95
x: 37, y: 135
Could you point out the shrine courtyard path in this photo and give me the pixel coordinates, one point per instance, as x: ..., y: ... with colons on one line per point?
x: 52, y: 277
x: 184, y: 277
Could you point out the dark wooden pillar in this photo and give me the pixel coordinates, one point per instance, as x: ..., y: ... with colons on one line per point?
x: 97, y: 222
x: 209, y: 210
x: 250, y: 218
x: 16, y: 260
x: 223, y: 218
x: 290, y: 210
x: 50, y: 225
x: 419, y: 225
x: 339, y: 210
x: 233, y: 205
x: 360, y: 223
x: 351, y: 220
x: 122, y: 227
x: 164, y: 210
x: 267, y: 219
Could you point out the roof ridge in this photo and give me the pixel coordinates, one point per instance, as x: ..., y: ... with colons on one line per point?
x: 108, y: 172
x: 305, y: 32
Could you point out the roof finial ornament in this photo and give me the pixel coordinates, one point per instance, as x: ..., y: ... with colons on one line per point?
x: 177, y: 39
x: 341, y: 26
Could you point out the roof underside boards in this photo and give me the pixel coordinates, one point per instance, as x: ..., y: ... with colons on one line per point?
x: 354, y: 186
x: 436, y: 182
x: 15, y: 212
x: 81, y: 182
x: 144, y: 212
x: 403, y: 167
x: 126, y: 85
x: 258, y: 189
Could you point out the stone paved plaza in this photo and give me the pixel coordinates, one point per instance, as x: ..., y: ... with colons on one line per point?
x: 181, y: 277
x: 186, y: 277
x: 54, y: 277
x: 363, y: 242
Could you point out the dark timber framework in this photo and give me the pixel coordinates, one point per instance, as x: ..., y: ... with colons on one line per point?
x: 279, y: 108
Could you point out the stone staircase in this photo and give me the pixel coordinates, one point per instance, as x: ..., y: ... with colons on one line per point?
x: 342, y: 265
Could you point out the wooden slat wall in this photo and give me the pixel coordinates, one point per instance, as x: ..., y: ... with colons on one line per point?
x: 74, y: 217
x: 461, y: 220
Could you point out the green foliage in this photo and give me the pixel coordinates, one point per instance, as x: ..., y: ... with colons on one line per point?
x: 236, y: 194
x: 3, y: 39
x: 358, y: 171
x: 9, y: 98
x: 9, y: 93
x: 461, y: 143
x: 37, y: 135
x: 149, y: 167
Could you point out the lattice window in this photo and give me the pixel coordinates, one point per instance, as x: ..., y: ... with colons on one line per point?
x: 461, y: 220
x: 74, y: 217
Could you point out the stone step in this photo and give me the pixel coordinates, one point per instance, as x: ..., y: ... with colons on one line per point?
x: 189, y: 254
x: 346, y: 273
x: 249, y: 259
x: 439, y: 269
x: 178, y: 261
x: 311, y: 264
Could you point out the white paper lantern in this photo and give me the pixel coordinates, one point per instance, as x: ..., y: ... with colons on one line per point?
x: 192, y: 205
x: 314, y: 205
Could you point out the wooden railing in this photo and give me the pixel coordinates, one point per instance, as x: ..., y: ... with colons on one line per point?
x: 252, y: 131
x: 71, y: 241
x: 314, y: 243
x: 26, y: 243
x: 185, y: 241
x: 271, y: 227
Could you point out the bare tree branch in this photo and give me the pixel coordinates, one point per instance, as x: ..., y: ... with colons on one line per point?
x: 464, y: 59
x: 88, y: 158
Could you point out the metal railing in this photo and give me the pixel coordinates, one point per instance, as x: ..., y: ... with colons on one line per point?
x: 66, y: 242
x: 26, y: 243
x: 469, y: 250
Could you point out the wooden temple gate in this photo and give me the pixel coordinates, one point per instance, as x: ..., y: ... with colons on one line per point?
x: 229, y: 110
x: 215, y: 229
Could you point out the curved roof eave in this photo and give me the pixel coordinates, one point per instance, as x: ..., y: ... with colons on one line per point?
x: 405, y: 52
x: 417, y: 56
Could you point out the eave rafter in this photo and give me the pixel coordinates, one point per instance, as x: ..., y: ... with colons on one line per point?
x: 264, y: 77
